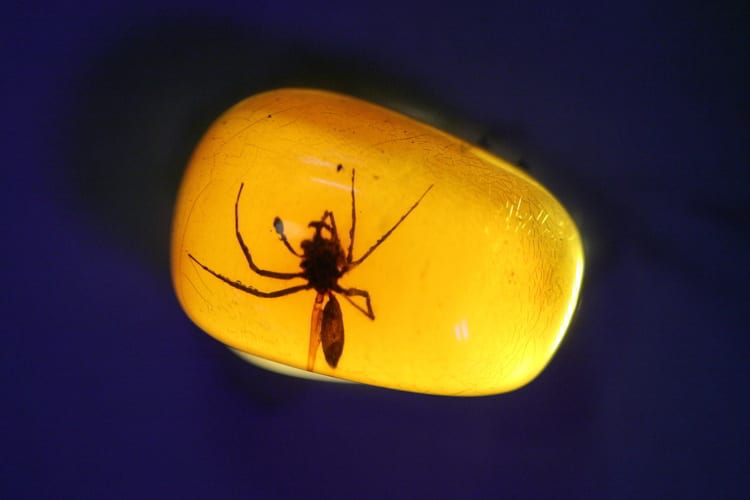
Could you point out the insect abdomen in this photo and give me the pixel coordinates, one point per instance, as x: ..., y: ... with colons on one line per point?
x: 332, y: 331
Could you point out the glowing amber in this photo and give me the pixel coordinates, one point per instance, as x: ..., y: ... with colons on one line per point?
x: 471, y: 294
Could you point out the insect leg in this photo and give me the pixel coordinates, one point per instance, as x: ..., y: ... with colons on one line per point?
x: 246, y: 251
x: 247, y: 288
x: 348, y: 293
x: 388, y: 233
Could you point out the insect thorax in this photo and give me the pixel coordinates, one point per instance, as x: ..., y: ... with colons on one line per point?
x: 322, y: 263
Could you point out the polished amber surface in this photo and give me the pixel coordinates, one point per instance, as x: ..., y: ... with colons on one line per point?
x: 471, y: 294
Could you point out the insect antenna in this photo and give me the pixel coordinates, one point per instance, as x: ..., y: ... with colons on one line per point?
x: 278, y: 225
x: 351, y: 229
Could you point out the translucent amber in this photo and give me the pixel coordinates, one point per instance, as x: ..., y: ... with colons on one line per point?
x: 471, y: 294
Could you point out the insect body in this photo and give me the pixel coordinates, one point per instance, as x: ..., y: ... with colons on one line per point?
x: 323, y: 262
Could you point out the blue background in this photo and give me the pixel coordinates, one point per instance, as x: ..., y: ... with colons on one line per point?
x: 636, y: 114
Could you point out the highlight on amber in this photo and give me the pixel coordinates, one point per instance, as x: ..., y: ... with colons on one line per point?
x: 324, y: 233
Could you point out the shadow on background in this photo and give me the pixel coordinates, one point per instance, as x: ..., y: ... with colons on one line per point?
x: 142, y: 106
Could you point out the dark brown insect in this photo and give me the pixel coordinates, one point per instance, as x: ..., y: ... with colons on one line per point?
x: 323, y: 263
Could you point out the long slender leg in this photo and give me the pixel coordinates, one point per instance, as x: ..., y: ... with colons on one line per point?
x: 388, y: 233
x: 278, y: 225
x: 349, y: 292
x: 351, y: 229
x: 246, y: 251
x: 247, y: 288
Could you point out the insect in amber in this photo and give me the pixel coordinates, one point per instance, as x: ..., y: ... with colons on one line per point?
x: 473, y: 294
x: 323, y: 263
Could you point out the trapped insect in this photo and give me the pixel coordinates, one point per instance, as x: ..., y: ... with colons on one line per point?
x: 323, y: 261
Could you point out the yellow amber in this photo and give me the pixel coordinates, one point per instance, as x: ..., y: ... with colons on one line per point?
x: 472, y: 293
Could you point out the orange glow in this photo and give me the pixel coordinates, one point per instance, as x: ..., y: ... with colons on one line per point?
x: 472, y: 293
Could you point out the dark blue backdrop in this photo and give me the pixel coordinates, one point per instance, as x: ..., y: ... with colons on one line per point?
x: 636, y: 115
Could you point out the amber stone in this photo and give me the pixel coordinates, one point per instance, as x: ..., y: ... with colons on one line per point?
x: 471, y: 294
